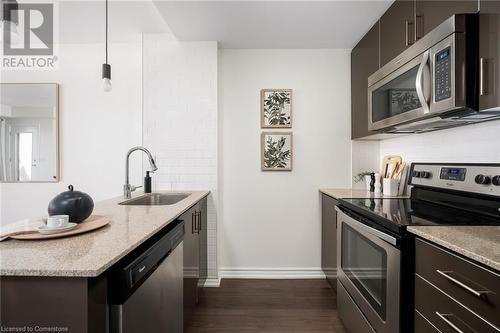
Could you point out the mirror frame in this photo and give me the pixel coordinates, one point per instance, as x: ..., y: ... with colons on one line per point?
x: 57, y: 177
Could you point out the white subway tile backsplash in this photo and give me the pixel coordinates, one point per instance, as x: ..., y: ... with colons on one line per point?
x: 180, y: 120
x: 472, y: 144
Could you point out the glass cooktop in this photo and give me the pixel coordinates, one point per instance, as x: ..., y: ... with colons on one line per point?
x: 397, y: 214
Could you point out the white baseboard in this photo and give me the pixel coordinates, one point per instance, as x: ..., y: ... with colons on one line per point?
x: 271, y: 273
x: 212, y: 283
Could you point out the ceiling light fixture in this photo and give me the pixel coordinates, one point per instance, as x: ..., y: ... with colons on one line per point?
x: 106, y: 68
x: 9, y: 18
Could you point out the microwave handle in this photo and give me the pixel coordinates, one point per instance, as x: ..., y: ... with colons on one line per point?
x: 419, y: 82
x: 483, y: 76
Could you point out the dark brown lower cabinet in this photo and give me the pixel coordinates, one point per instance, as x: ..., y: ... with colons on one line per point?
x: 453, y: 293
x: 36, y: 304
x: 329, y: 239
x: 203, y: 248
x: 195, y: 255
x: 423, y: 325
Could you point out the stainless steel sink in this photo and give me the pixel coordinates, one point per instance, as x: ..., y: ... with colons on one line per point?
x: 156, y: 199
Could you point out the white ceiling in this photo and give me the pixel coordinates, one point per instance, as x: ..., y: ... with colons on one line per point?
x: 272, y: 24
x: 83, y: 21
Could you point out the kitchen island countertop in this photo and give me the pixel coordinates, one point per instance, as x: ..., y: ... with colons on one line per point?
x: 90, y: 254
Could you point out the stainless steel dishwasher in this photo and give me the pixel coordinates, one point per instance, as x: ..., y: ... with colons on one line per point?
x: 146, y: 289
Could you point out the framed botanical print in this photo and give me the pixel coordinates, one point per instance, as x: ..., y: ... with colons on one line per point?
x: 276, y: 108
x: 276, y: 151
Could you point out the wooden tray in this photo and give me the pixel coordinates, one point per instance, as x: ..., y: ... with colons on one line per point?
x: 92, y: 223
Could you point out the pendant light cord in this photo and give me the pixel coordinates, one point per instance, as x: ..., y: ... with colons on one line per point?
x: 106, y: 31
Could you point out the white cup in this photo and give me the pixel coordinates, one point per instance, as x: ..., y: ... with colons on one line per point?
x: 390, y: 186
x: 57, y: 221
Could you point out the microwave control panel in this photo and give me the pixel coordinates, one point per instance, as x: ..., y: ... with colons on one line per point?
x: 442, y: 75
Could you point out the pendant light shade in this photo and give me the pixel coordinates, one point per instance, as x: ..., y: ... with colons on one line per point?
x: 106, y: 77
x: 106, y: 68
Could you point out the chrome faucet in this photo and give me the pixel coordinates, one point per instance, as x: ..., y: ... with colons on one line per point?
x: 127, y: 188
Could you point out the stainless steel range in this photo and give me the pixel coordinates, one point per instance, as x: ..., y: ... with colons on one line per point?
x: 375, y: 252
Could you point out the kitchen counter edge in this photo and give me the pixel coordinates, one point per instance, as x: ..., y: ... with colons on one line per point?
x: 347, y: 193
x: 478, y: 243
x: 121, y: 218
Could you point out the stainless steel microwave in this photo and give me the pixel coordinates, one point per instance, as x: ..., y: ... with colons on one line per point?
x: 434, y: 84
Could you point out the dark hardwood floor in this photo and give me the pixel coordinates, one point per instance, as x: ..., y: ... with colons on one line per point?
x: 267, y: 306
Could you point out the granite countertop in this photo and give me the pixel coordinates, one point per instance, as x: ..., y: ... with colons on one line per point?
x: 342, y: 193
x: 479, y: 243
x: 92, y: 253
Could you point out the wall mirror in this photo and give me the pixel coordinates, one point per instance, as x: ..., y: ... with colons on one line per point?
x: 29, y: 132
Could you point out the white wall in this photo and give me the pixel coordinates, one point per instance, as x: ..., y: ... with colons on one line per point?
x: 473, y: 143
x: 365, y: 158
x: 180, y: 120
x: 271, y: 220
x: 478, y: 143
x: 96, y: 128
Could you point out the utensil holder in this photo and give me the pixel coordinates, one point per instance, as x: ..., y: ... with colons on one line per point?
x: 390, y: 187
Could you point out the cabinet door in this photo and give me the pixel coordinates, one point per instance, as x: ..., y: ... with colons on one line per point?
x: 364, y: 62
x: 397, y: 30
x: 329, y: 239
x: 431, y: 13
x: 203, y: 232
x: 191, y: 261
x: 489, y: 53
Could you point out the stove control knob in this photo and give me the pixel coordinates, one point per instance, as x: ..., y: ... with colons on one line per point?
x: 416, y: 174
x: 496, y: 180
x: 483, y: 180
x: 425, y: 174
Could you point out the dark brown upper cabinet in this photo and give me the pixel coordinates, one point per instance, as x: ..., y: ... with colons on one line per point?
x: 431, y: 13
x: 489, y: 6
x: 396, y: 30
x: 489, y: 53
x: 364, y: 62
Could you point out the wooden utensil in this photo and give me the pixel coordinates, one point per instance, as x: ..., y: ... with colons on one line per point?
x: 390, y: 159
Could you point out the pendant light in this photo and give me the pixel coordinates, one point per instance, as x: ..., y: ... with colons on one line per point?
x: 106, y: 68
x: 9, y: 20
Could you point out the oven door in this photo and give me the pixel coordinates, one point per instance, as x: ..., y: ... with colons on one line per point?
x: 368, y: 266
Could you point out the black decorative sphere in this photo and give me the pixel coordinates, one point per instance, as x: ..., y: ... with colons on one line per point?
x: 76, y: 204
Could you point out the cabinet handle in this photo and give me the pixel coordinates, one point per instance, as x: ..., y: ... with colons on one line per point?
x: 444, y: 317
x: 407, y: 32
x: 447, y: 275
x: 419, y: 28
x: 192, y: 223
x: 197, y: 224
x: 483, y: 76
x: 199, y: 221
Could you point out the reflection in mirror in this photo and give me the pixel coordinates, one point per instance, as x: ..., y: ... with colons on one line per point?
x: 29, y: 140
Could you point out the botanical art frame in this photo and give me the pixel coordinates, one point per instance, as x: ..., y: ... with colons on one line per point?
x: 276, y: 108
x: 276, y: 151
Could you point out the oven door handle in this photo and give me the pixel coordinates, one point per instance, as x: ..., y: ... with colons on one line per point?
x: 419, y: 82
x: 377, y: 233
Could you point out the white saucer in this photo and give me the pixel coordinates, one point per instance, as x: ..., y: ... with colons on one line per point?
x: 46, y: 230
